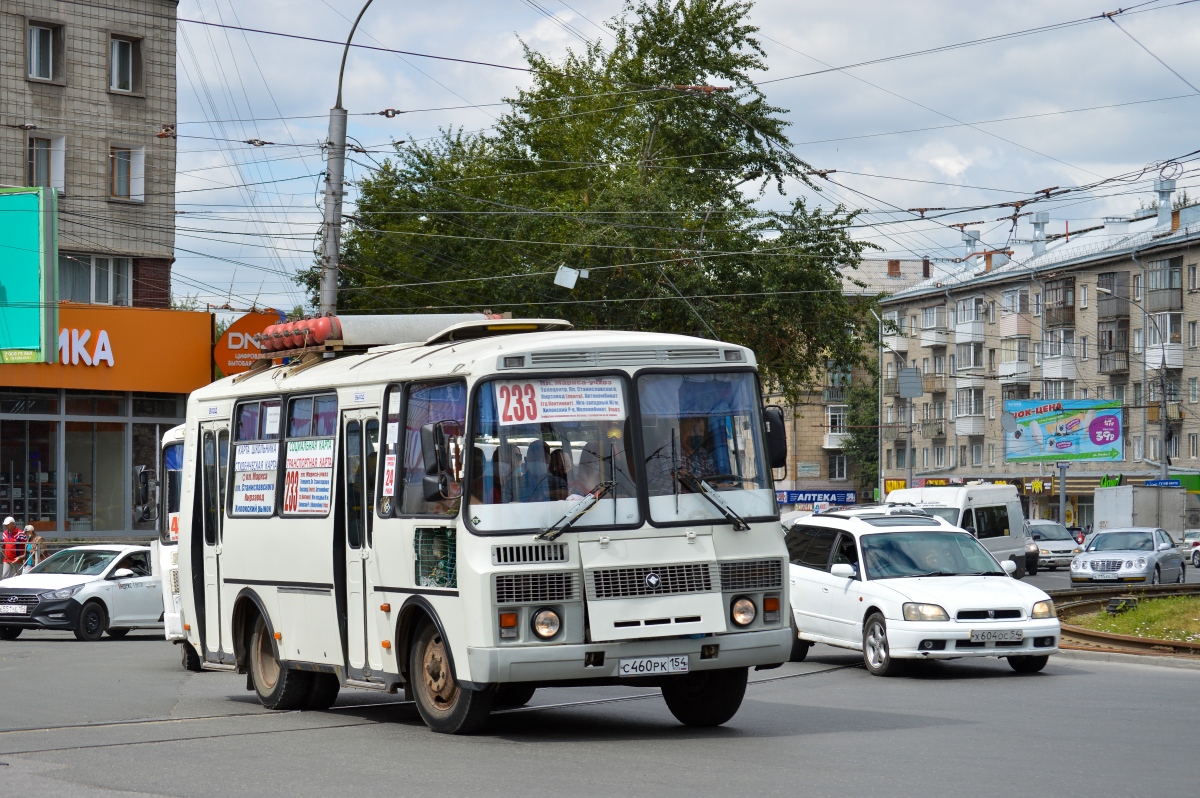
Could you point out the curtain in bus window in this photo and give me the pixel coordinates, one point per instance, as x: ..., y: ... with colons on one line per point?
x: 429, y: 404
x: 211, y: 508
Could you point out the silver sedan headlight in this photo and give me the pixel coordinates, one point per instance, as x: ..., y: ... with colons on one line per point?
x: 59, y: 595
x: 1079, y: 565
x: 1141, y: 562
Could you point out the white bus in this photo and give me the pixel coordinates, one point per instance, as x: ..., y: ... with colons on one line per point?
x: 478, y: 512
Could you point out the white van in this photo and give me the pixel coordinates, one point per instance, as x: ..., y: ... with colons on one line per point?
x: 990, y: 512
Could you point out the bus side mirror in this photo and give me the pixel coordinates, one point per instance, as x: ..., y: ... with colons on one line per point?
x: 145, y: 508
x: 776, y: 436
x: 440, y: 452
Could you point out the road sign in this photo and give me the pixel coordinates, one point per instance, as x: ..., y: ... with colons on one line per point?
x: 1163, y: 483
x: 910, y: 384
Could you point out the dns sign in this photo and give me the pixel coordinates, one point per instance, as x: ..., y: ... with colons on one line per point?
x: 239, y: 348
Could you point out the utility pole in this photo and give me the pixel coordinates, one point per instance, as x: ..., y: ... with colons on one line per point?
x: 1164, y: 469
x: 335, y: 168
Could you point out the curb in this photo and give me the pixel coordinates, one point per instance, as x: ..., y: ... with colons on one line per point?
x: 1129, y: 659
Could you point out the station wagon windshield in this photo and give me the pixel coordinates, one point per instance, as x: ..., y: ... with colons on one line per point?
x: 911, y: 554
x: 1050, y: 532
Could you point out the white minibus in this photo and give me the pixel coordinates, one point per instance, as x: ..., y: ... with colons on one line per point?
x: 470, y: 508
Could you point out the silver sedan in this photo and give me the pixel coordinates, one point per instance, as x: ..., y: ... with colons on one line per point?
x: 1129, y: 554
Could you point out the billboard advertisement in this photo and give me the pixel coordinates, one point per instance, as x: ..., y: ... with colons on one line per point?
x: 1050, y: 430
x: 28, y: 275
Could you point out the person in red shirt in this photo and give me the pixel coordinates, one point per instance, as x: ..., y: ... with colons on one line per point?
x: 14, y: 547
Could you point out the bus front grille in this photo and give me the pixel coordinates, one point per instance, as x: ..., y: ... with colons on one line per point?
x: 536, y: 588
x: 520, y: 554
x: 650, y: 580
x: 752, y: 575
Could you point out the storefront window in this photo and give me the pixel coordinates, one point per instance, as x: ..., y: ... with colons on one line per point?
x: 147, y: 443
x: 28, y: 471
x: 96, y: 475
x: 159, y: 405
x: 100, y: 403
x: 29, y: 401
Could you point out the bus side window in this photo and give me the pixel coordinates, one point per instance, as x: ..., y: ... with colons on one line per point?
x: 429, y: 403
x: 210, y: 494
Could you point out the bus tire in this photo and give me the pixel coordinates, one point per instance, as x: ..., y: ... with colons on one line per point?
x: 446, y: 706
x: 277, y: 687
x: 323, y: 692
x: 92, y: 620
x: 706, y: 698
x: 799, y: 647
x: 514, y: 695
x: 189, y: 657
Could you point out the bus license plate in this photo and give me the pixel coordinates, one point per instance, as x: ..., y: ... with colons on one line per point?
x: 12, y: 609
x: 995, y: 635
x: 651, y: 666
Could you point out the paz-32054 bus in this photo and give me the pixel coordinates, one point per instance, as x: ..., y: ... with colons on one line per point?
x: 470, y: 513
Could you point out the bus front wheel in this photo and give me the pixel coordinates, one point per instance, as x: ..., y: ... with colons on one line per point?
x: 445, y: 705
x: 277, y: 687
x: 706, y: 698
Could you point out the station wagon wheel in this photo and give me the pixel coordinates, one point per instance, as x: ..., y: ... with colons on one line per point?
x: 445, y: 705
x: 876, y: 654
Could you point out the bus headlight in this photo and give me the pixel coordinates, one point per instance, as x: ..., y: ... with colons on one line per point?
x: 546, y: 623
x: 743, y: 611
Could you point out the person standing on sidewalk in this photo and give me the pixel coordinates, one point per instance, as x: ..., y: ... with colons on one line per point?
x: 35, y: 548
x: 14, y: 548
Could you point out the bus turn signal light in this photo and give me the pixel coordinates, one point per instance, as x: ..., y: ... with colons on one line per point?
x: 771, y: 609
x: 385, y: 607
x: 508, y: 625
x: 387, y: 644
x: 187, y: 627
x: 278, y: 636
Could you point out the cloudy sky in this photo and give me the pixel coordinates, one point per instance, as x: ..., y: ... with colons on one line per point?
x: 980, y: 124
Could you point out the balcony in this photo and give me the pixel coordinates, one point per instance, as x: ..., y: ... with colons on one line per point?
x: 1015, y: 371
x: 1059, y: 316
x: 933, y: 428
x: 968, y: 332
x: 1161, y: 299
x: 1175, y: 412
x: 1114, y: 361
x: 836, y: 393
x: 933, y: 383
x: 1014, y: 324
x: 1113, y: 307
x: 891, y: 386
x: 897, y: 342
x: 1169, y: 354
x: 1059, y: 368
x: 969, y: 425
x: 935, y: 336
x: 833, y: 440
x: 896, y: 431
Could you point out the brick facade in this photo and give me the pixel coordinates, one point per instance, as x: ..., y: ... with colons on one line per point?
x: 151, y: 283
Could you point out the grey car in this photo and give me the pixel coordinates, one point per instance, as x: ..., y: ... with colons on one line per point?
x: 1056, y: 545
x: 1129, y: 554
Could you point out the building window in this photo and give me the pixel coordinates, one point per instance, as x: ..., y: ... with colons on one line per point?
x: 1193, y: 284
x: 887, y: 457
x: 1193, y: 445
x: 962, y: 454
x: 970, y: 356
x: 1014, y: 301
x: 44, y: 165
x: 1058, y: 389
x: 939, y: 364
x: 970, y: 402
x: 1083, y: 348
x: 835, y: 418
x: 1100, y: 392
x: 977, y: 454
x: 1192, y: 334
x: 991, y: 406
x: 1137, y: 286
x: 900, y: 458
x: 925, y: 457
x: 1137, y: 341
x: 126, y: 173
x: 1119, y: 393
x: 125, y: 65
x: 1137, y: 393
x: 98, y: 280
x: 1060, y: 343
x: 992, y: 312
x: 45, y: 51
x: 1137, y: 447
x: 1083, y: 393
x: 939, y: 456
x: 951, y: 456
x: 991, y: 454
x: 912, y: 325
x: 1037, y: 304
x: 1083, y: 296
x: 1193, y: 390
x: 837, y: 466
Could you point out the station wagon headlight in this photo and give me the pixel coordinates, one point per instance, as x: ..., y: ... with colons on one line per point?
x: 1044, y: 609
x: 1045, y: 551
x: 924, y: 612
x: 743, y: 611
x: 59, y: 595
x: 546, y: 623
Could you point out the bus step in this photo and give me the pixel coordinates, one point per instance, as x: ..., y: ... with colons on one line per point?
x: 361, y: 685
x: 219, y: 666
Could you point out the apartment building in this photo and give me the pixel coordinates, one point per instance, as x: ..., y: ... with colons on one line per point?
x: 818, y: 470
x: 87, y: 107
x: 1108, y: 313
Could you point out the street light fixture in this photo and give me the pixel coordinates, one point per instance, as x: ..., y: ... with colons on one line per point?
x: 1164, y: 469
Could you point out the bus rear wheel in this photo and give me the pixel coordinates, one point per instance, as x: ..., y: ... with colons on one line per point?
x: 706, y: 698
x: 445, y: 705
x: 278, y: 687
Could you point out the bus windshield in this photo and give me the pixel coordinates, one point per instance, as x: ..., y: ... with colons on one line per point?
x: 172, y: 489
x: 704, y: 428
x: 542, y: 445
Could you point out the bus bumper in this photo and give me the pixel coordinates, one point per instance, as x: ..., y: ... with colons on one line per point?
x: 545, y: 663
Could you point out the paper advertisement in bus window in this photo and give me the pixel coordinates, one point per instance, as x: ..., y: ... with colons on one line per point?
x: 254, y: 467
x: 547, y: 401
x: 308, y: 482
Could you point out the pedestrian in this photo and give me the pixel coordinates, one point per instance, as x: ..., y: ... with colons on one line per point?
x: 14, y: 548
x: 36, y: 548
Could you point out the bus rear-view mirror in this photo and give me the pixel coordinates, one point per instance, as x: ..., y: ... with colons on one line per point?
x: 440, y: 450
x: 776, y: 438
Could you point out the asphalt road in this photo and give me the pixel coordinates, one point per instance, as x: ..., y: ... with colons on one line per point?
x: 120, y: 717
x: 1061, y: 579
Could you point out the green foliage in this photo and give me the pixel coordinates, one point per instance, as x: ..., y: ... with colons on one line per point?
x: 185, y: 302
x: 1174, y: 618
x: 861, y: 444
x: 653, y: 190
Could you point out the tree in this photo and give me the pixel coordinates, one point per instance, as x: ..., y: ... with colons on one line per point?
x: 610, y: 163
x: 861, y: 443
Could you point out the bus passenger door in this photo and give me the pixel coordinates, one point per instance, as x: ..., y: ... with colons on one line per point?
x: 214, y: 454
x: 361, y: 436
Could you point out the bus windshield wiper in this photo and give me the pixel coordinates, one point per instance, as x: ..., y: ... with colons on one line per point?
x: 589, y: 501
x: 699, y: 485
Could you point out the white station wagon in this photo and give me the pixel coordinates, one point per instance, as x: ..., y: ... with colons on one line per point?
x: 899, y: 584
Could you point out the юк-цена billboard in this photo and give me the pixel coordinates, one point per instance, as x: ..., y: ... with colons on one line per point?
x: 1063, y: 429
x: 28, y: 275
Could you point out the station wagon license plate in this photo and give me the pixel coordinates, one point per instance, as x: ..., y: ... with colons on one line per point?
x: 652, y: 666
x: 996, y: 635
x: 12, y: 609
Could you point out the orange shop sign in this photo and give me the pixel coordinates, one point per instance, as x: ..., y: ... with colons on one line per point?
x: 239, y: 346
x: 107, y: 348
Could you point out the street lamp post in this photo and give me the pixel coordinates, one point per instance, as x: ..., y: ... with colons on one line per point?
x: 1164, y: 423
x: 335, y: 168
